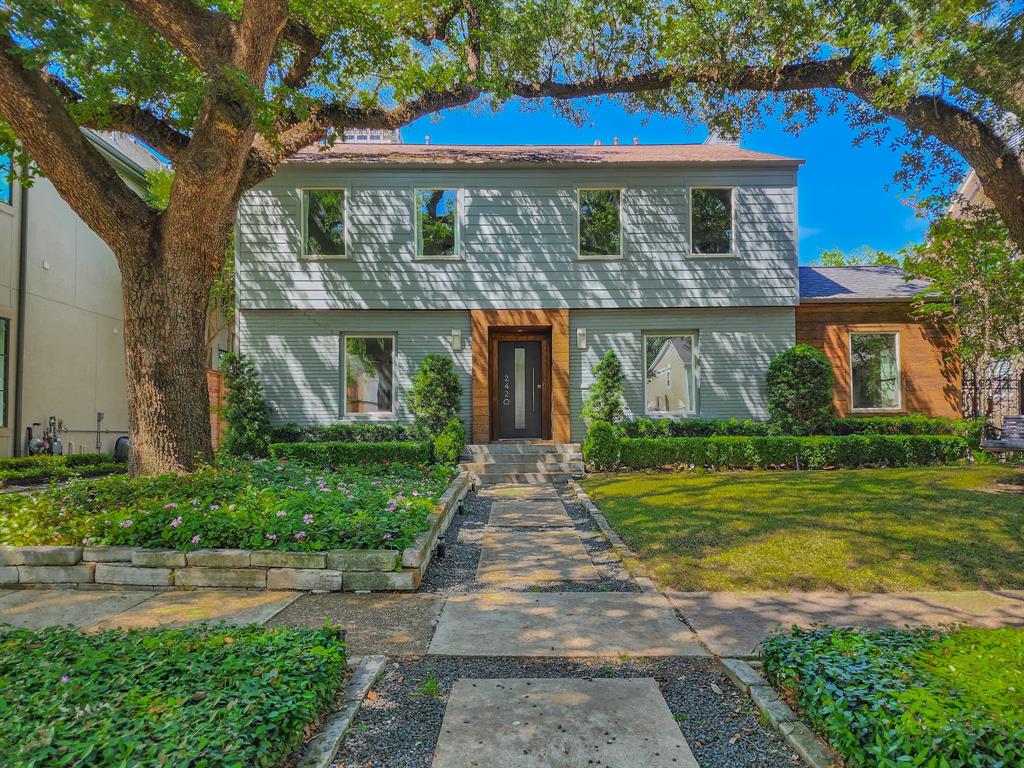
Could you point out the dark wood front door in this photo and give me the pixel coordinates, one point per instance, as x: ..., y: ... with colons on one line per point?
x: 520, y: 383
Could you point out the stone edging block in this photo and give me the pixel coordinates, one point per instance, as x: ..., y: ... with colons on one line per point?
x: 218, y: 558
x: 247, y: 578
x: 56, y: 574
x: 8, y: 575
x: 798, y: 735
x: 321, y: 750
x: 269, y: 558
x: 125, y: 573
x: 42, y: 556
x: 417, y: 555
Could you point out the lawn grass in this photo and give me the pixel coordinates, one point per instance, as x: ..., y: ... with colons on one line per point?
x: 893, y: 697
x: 201, y: 696
x: 871, y: 530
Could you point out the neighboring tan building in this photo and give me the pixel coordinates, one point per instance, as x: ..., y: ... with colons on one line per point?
x: 60, y: 312
x: 885, y: 359
x: 524, y: 264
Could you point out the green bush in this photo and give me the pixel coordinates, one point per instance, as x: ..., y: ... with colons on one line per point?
x: 914, y: 424
x: 601, y: 445
x: 24, y: 470
x: 695, y: 427
x: 261, y: 504
x: 605, y: 403
x: 907, y: 697
x: 211, y: 696
x: 449, y: 444
x: 435, y: 394
x: 340, y: 454
x: 385, y: 432
x: 246, y: 414
x: 800, y: 390
x: 816, y: 452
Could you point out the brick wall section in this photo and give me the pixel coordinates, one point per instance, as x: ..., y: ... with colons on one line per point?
x: 217, y: 392
x: 483, y: 321
x: 930, y: 378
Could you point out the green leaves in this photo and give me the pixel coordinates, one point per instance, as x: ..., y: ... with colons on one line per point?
x: 209, y: 696
x: 800, y: 382
x: 893, y: 698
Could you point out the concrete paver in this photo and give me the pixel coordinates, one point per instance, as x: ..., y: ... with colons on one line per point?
x: 177, y: 609
x: 529, y: 514
x: 5, y: 592
x: 392, y: 624
x: 534, y: 555
x: 520, y: 491
x: 544, y: 722
x: 567, y: 624
x: 733, y: 623
x: 38, y: 608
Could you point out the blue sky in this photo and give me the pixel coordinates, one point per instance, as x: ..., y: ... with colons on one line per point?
x: 844, y: 201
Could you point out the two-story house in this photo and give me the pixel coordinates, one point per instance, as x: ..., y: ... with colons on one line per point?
x: 524, y: 264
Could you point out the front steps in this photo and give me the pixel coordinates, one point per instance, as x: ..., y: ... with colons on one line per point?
x: 495, y: 463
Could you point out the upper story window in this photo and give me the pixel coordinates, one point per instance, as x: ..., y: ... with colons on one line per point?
x: 323, y: 223
x: 369, y: 376
x: 600, y: 223
x: 711, y: 221
x: 670, y: 384
x: 875, y: 371
x: 437, y: 223
x: 6, y: 190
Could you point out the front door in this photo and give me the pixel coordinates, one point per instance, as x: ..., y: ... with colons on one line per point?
x: 520, y: 390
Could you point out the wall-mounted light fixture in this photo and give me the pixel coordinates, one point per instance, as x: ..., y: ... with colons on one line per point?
x: 456, y: 340
x: 581, y: 338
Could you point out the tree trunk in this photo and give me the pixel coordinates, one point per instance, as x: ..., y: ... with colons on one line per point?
x: 165, y: 343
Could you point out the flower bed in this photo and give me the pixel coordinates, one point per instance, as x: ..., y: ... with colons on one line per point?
x: 196, y: 696
x: 253, y: 505
x: 907, y: 697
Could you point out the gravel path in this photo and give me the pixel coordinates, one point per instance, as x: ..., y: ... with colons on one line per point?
x: 398, y: 725
x: 456, y: 571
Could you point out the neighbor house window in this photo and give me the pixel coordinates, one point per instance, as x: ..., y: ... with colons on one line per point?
x: 600, y: 223
x: 5, y: 181
x: 437, y: 223
x: 5, y: 344
x: 875, y: 371
x: 369, y: 375
x: 323, y: 223
x: 670, y: 387
x: 711, y: 220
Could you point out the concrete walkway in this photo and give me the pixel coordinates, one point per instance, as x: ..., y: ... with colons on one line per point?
x: 733, y: 623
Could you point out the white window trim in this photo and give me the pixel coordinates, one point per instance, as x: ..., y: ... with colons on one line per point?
x: 899, y: 371
x: 732, y: 239
x: 391, y: 415
x: 622, y: 226
x: 459, y: 207
x: 303, y: 224
x: 680, y: 415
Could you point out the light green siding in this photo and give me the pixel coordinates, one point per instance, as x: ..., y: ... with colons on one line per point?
x: 298, y: 356
x: 519, y: 241
x: 734, y: 347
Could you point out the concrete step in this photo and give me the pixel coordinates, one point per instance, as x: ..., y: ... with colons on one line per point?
x: 528, y: 478
x: 486, y: 470
x: 523, y: 458
x: 497, y: 449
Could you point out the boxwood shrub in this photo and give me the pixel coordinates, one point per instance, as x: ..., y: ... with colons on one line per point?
x: 41, y: 469
x: 201, y: 696
x: 851, y: 425
x: 341, y: 433
x: 822, y: 452
x: 341, y: 453
x: 917, y: 697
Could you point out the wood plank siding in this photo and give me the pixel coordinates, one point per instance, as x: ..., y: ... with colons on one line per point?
x: 929, y: 377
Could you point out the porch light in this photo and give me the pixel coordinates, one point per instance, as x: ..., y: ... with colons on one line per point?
x: 581, y: 338
x: 456, y: 339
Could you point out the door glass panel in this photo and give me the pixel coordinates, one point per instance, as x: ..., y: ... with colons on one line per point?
x: 520, y: 388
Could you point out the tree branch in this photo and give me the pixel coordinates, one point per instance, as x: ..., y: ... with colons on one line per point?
x: 309, y: 48
x: 128, y: 118
x: 81, y: 175
x: 204, y: 37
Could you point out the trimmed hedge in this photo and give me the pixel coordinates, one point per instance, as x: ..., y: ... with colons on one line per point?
x: 24, y: 470
x: 851, y: 425
x: 791, y: 452
x: 695, y: 428
x: 341, y: 453
x: 341, y: 433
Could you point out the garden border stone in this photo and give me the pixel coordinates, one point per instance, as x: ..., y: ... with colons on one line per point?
x: 120, y: 567
x: 797, y: 734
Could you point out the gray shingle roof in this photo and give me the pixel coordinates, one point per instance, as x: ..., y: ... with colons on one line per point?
x: 867, y: 283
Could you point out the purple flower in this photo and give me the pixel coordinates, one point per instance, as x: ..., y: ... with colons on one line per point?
x: 176, y: 522
x: 126, y: 523
x: 64, y: 678
x: 196, y: 539
x: 308, y: 518
x: 281, y: 513
x: 272, y: 536
x: 300, y: 535
x: 215, y: 506
x: 170, y: 505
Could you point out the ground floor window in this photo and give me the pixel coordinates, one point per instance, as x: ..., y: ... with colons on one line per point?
x: 369, y: 375
x: 875, y: 371
x: 670, y: 385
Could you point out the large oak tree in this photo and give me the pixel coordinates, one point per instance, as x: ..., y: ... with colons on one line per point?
x: 227, y: 89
